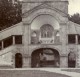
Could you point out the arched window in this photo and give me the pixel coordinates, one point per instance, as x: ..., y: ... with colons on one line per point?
x: 46, y: 31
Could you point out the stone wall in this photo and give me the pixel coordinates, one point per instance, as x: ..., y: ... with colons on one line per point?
x: 61, y: 5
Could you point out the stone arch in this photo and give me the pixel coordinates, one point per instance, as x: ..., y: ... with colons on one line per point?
x: 43, y: 13
x: 42, y: 19
x: 51, y: 58
x: 18, y: 60
x: 29, y: 18
x: 45, y: 46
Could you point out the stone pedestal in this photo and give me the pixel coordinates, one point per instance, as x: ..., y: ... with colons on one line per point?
x: 63, y: 61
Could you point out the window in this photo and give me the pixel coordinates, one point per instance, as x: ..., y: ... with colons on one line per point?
x: 46, y: 31
x: 18, y: 39
x: 71, y: 38
x: 8, y: 41
x: 78, y: 39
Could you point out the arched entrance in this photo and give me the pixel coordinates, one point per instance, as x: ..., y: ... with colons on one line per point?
x: 18, y: 60
x: 45, y: 57
x: 71, y: 60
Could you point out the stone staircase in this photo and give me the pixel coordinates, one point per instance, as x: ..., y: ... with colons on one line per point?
x: 6, y: 56
x: 6, y: 52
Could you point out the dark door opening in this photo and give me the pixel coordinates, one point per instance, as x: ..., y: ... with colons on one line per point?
x: 18, y: 60
x: 45, y: 57
x: 71, y: 60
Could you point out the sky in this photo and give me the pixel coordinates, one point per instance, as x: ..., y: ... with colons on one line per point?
x: 74, y: 6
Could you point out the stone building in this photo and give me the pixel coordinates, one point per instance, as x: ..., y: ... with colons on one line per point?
x: 44, y: 38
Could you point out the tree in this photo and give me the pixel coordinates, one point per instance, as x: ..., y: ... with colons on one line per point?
x: 75, y: 18
x: 10, y: 13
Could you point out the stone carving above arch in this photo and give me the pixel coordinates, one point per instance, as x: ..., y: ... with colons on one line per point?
x: 44, y: 19
x: 57, y: 16
x: 45, y: 46
x: 29, y: 16
x: 43, y: 6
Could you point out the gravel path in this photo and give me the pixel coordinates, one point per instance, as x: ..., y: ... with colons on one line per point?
x: 29, y: 73
x: 39, y: 72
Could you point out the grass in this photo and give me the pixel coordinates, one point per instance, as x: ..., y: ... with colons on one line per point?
x: 29, y: 73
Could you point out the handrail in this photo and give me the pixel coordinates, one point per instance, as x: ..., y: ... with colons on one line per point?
x: 15, y: 29
x: 8, y: 49
x: 10, y: 27
x: 4, y: 51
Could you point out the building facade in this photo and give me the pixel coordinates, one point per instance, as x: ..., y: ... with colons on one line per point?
x: 44, y: 38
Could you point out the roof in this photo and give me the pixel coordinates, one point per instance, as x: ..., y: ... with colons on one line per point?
x: 73, y: 28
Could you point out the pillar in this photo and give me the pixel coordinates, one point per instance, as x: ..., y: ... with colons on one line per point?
x: 26, y: 61
x: 63, y: 38
x: 63, y: 61
x: 13, y: 40
x: 76, y: 39
x: 2, y: 44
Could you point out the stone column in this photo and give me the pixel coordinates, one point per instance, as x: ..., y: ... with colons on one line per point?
x: 26, y: 37
x: 2, y: 44
x: 76, y: 39
x: 63, y: 33
x: 63, y: 61
x: 26, y: 34
x: 63, y: 38
x: 26, y: 42
x: 13, y: 40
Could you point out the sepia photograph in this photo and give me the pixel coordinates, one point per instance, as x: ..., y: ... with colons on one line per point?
x: 39, y: 38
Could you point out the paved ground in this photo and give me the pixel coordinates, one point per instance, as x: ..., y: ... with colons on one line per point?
x: 72, y: 70
x: 29, y: 73
x: 39, y: 72
x: 61, y: 71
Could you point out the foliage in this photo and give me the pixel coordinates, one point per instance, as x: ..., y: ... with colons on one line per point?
x: 10, y: 13
x: 75, y: 18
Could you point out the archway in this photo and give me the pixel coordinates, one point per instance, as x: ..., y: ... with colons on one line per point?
x: 71, y: 60
x: 45, y: 19
x: 18, y: 60
x: 45, y: 57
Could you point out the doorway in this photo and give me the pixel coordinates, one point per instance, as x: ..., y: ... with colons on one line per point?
x: 18, y: 60
x: 45, y: 57
x: 71, y: 60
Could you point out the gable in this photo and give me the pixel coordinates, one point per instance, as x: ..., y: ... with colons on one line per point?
x: 43, y: 6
